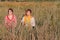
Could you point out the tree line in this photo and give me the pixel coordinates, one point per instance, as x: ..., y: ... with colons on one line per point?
x: 28, y: 0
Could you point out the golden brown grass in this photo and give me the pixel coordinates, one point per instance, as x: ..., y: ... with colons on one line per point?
x: 47, y: 15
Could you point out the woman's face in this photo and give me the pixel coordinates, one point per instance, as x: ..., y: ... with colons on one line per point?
x: 28, y: 13
x: 10, y: 12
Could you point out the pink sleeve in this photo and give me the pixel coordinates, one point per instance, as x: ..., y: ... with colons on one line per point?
x: 15, y: 19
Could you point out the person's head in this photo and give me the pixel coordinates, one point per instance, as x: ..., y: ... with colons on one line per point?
x: 10, y: 11
x: 28, y: 12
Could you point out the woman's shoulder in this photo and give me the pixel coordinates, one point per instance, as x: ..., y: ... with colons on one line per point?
x: 32, y: 18
x: 14, y: 15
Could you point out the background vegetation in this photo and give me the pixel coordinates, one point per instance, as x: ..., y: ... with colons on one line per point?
x: 47, y: 15
x: 28, y: 0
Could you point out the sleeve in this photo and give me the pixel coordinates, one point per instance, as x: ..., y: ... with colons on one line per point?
x: 22, y: 20
x: 15, y: 20
x: 33, y: 21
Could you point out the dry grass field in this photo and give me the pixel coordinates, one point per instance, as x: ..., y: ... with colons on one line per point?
x: 47, y: 15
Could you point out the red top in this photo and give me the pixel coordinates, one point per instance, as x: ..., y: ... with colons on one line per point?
x: 9, y: 21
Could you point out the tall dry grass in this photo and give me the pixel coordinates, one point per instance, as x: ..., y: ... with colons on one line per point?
x: 47, y: 15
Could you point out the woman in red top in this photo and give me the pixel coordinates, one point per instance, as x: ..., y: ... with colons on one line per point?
x: 10, y: 21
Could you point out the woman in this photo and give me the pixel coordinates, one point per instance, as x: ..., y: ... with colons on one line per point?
x: 29, y: 22
x: 10, y: 21
x: 28, y: 19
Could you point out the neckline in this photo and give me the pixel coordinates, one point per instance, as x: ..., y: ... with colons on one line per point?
x: 11, y: 18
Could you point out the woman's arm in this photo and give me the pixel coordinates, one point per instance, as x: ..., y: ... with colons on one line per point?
x: 15, y: 20
x: 22, y: 21
x: 33, y: 21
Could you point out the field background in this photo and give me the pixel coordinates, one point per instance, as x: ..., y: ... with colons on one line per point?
x: 47, y: 15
